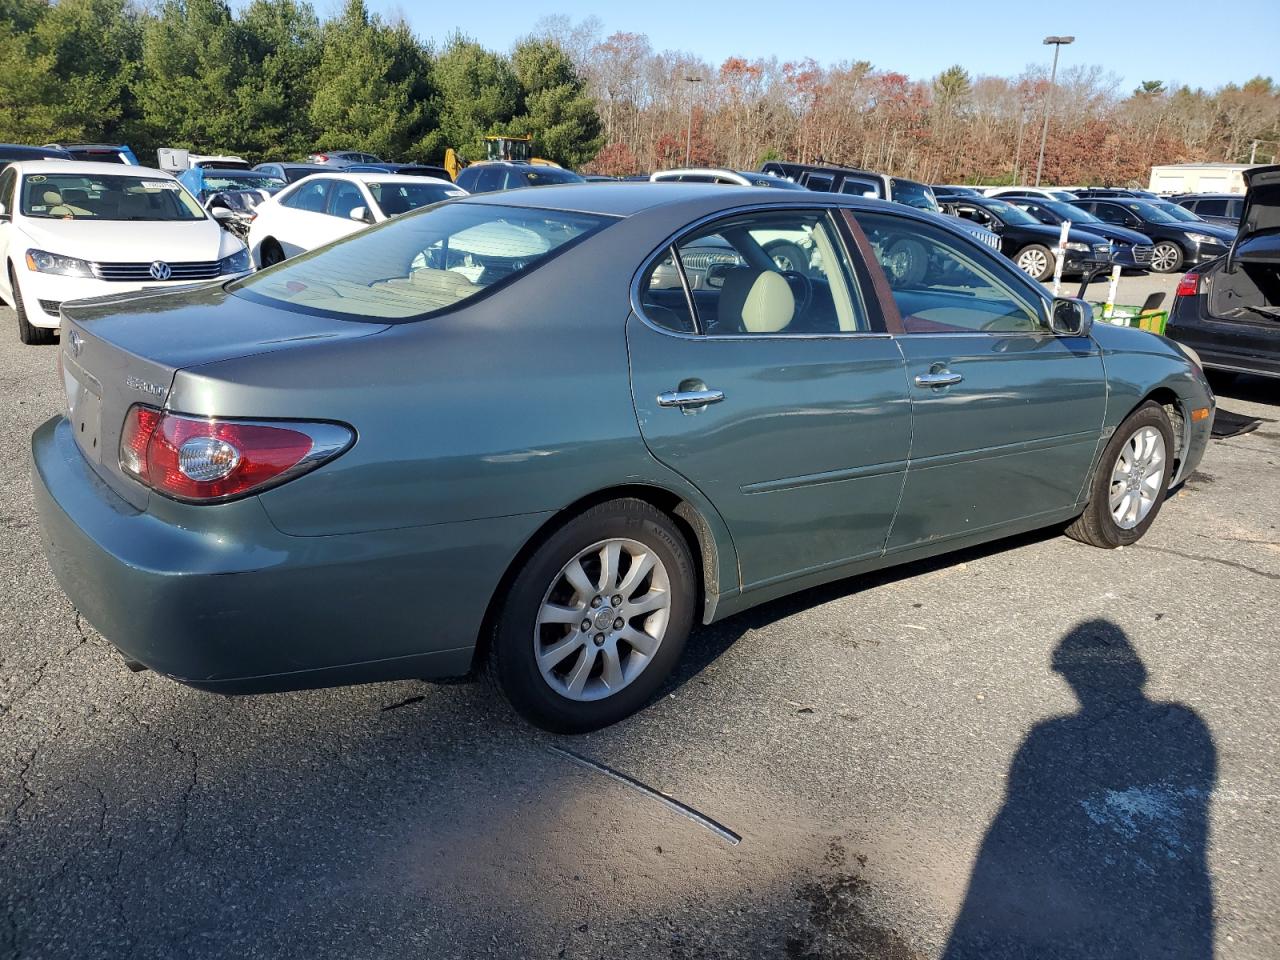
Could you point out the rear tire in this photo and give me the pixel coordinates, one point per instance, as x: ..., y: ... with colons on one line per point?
x: 32, y: 336
x: 558, y: 654
x: 1035, y: 261
x: 270, y: 253
x: 1133, y: 442
x: 1167, y: 257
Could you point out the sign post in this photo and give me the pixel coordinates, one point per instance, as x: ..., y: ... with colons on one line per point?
x: 1059, y: 255
x: 1109, y: 307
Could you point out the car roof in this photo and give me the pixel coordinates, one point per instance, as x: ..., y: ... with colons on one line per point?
x: 87, y: 167
x: 371, y: 177
x: 293, y: 165
x: 88, y: 146
x: 609, y: 199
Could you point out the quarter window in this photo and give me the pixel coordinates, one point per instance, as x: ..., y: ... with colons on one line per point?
x: 942, y: 285
x: 762, y: 273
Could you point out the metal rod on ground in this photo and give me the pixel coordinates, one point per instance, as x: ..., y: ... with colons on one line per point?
x: 1109, y: 307
x: 1059, y: 255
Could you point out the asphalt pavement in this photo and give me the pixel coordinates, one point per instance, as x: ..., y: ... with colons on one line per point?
x: 1037, y: 737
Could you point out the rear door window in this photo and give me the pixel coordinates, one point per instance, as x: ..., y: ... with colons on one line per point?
x: 772, y: 272
x: 345, y: 197
x: 1210, y: 208
x: 310, y: 196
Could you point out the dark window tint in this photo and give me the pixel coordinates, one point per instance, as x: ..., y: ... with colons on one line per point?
x: 1109, y: 213
x: 819, y: 181
x: 943, y: 285
x: 309, y: 196
x: 487, y: 179
x: 7, y: 179
x: 1210, y: 208
x: 860, y: 187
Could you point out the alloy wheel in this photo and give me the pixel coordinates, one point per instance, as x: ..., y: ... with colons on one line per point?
x: 1033, y: 263
x: 1164, y: 257
x: 602, y: 619
x: 1137, y: 478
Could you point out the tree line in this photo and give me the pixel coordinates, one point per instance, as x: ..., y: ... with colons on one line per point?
x: 951, y: 128
x: 274, y: 80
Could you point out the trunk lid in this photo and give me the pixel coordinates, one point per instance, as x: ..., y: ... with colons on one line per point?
x: 1257, y: 239
x: 124, y: 349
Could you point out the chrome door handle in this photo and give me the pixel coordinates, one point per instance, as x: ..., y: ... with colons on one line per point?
x: 941, y: 378
x: 689, y: 399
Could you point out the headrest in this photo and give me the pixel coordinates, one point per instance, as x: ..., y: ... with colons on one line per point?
x: 756, y: 301
x: 52, y: 196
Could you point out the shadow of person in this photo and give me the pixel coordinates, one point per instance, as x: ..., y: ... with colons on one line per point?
x: 1099, y: 849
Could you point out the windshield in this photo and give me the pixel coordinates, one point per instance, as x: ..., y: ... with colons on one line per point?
x: 1009, y: 213
x: 215, y: 180
x: 407, y: 268
x: 1177, y: 212
x: 541, y: 176
x: 398, y: 198
x: 1149, y: 211
x: 66, y: 196
x: 915, y: 195
x: 1068, y: 211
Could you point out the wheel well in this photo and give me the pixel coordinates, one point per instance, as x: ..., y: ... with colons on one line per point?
x: 1172, y: 404
x: 691, y: 524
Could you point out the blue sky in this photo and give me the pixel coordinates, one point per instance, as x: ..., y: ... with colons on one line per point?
x: 1197, y: 42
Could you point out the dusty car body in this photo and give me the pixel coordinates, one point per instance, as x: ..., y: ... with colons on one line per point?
x: 755, y: 441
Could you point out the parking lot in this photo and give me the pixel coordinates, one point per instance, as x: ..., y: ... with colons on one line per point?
x: 840, y: 756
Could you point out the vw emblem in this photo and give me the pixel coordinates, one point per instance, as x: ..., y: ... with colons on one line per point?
x: 160, y: 270
x: 77, y: 344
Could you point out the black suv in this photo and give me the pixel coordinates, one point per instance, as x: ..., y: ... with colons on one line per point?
x: 1179, y: 242
x: 488, y: 176
x: 1223, y: 209
x: 1028, y: 242
x: 830, y: 178
x: 1101, y: 193
x: 1228, y: 311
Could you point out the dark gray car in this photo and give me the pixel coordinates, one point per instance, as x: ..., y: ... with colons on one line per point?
x: 544, y: 432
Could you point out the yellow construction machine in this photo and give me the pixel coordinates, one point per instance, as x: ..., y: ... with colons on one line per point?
x: 517, y: 149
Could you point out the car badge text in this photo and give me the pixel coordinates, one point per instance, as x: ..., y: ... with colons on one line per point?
x: 160, y: 270
x: 139, y: 384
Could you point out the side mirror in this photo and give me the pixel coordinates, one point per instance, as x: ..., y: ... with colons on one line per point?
x: 221, y: 213
x: 716, y: 273
x: 361, y: 214
x: 1070, y: 317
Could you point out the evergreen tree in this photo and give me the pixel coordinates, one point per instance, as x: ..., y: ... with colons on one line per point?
x: 282, y: 41
x: 477, y: 95
x: 556, y: 108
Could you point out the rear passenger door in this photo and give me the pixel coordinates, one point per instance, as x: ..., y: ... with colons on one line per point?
x: 763, y: 376
x: 303, y: 222
x: 1006, y: 416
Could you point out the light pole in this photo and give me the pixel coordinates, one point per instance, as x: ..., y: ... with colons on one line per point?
x: 1058, y: 43
x: 688, y: 137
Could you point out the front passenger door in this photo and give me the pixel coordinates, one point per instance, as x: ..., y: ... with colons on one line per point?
x: 1006, y: 416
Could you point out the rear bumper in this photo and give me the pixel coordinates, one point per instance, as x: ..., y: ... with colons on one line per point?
x: 228, y: 603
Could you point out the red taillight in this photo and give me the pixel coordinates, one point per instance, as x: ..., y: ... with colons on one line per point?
x: 1189, y: 285
x: 203, y: 459
x: 322, y: 158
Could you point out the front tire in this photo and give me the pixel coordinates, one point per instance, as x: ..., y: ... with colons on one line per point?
x: 29, y: 334
x: 1035, y: 261
x: 1130, y: 483
x: 1167, y: 257
x: 597, y: 618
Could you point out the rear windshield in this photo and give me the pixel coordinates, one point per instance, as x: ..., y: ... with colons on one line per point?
x: 410, y: 267
x: 398, y: 198
x: 69, y: 196
x: 541, y: 176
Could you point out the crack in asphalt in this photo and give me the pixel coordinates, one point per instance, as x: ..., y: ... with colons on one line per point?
x: 1234, y: 564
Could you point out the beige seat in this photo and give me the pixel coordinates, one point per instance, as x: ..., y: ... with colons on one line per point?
x: 755, y: 301
x: 52, y: 198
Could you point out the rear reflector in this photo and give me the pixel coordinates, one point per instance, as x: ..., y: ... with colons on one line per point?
x: 1189, y: 285
x: 202, y: 460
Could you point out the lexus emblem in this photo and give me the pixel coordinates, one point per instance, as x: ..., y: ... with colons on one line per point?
x: 77, y: 344
x: 160, y: 270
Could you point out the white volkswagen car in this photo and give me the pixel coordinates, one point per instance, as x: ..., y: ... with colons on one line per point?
x: 75, y: 230
x: 328, y: 206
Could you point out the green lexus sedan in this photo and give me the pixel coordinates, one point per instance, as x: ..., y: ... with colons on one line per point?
x: 540, y: 433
